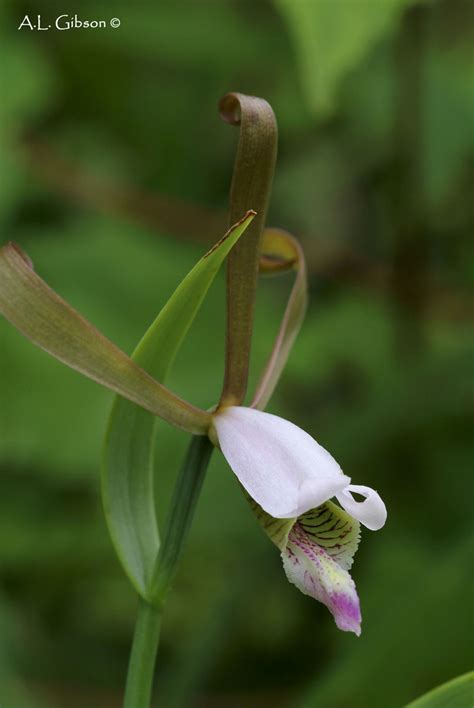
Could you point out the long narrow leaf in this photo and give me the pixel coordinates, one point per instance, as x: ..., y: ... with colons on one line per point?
x: 53, y: 325
x: 127, y: 470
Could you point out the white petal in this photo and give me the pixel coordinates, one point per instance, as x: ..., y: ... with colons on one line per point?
x: 283, y: 468
x: 371, y: 512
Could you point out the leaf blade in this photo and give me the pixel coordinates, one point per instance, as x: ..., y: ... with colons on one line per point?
x: 330, y: 39
x: 127, y: 463
x: 53, y: 325
x: 457, y: 693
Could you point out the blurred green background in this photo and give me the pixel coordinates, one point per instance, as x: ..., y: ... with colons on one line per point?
x: 115, y: 171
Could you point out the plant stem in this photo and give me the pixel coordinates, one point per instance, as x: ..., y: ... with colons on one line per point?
x: 180, y: 515
x: 147, y: 629
x: 142, y: 658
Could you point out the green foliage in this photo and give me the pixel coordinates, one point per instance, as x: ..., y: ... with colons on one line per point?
x: 26, y: 93
x: 448, y: 110
x: 127, y: 470
x: 458, y: 693
x: 332, y: 37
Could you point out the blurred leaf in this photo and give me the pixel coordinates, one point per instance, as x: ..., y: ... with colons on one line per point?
x: 310, y: 190
x: 368, y: 108
x: 331, y: 38
x: 27, y: 85
x: 458, y: 693
x: 447, y: 117
x: 13, y: 692
x: 151, y: 30
x: 127, y: 470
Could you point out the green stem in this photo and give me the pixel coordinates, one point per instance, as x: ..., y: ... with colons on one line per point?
x: 147, y: 629
x: 142, y: 658
x: 180, y: 515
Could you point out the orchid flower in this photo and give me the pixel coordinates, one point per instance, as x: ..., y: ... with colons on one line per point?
x: 289, y: 478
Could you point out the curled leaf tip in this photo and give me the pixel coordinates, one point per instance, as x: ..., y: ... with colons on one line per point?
x: 229, y: 108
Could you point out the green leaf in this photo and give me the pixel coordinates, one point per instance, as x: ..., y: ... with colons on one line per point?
x: 127, y: 469
x: 331, y: 38
x: 458, y: 693
x: 53, y: 325
x: 447, y: 117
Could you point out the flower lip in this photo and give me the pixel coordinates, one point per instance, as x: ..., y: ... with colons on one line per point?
x: 316, y: 574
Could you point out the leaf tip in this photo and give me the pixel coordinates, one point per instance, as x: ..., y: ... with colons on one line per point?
x: 248, y: 217
x: 12, y: 246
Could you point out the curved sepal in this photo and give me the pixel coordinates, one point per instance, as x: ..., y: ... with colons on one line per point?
x: 281, y: 252
x: 251, y: 187
x: 53, y: 325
